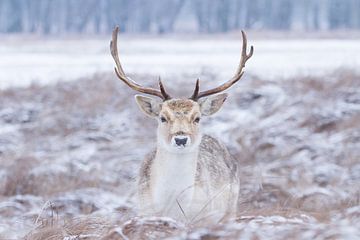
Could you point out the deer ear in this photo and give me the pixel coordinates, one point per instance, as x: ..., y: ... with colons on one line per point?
x: 149, y: 106
x: 212, y: 104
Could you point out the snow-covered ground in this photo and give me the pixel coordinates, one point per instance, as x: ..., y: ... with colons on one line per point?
x: 46, y: 61
x: 70, y: 152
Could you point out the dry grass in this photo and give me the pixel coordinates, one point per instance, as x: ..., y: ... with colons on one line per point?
x: 68, y: 171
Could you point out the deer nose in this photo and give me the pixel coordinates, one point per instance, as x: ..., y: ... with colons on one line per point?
x: 181, y: 141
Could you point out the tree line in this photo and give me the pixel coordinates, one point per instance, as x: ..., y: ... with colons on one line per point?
x: 166, y: 16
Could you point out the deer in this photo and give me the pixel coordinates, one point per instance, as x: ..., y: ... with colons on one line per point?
x: 189, y: 176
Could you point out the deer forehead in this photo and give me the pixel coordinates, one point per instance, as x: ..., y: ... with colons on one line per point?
x: 180, y: 108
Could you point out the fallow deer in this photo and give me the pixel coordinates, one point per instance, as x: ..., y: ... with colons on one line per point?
x: 189, y: 175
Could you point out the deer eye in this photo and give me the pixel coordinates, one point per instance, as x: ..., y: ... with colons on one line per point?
x: 197, y: 120
x: 163, y: 119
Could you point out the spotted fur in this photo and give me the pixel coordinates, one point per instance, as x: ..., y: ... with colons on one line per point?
x: 200, y: 180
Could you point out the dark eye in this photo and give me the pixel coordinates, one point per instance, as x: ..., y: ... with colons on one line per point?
x: 197, y: 120
x: 163, y: 119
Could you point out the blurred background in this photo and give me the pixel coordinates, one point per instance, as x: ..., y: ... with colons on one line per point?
x: 72, y: 139
x: 67, y: 39
x: 176, y: 16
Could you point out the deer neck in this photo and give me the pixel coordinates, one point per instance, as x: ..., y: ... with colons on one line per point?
x: 176, y: 163
x: 173, y: 178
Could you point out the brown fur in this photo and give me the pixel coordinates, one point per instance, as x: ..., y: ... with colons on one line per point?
x: 180, y: 105
x: 201, y: 175
x: 215, y: 167
x: 180, y: 113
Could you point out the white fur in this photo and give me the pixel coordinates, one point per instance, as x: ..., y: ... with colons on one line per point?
x: 191, y: 145
x: 176, y: 181
x: 173, y: 182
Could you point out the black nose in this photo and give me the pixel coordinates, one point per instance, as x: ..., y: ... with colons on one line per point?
x: 180, y: 141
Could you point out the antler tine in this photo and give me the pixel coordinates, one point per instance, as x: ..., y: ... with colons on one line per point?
x: 235, y: 78
x: 196, y: 91
x: 128, y: 81
x: 244, y: 55
x: 162, y: 90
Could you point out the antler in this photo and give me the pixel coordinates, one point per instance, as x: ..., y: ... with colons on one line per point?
x: 244, y: 57
x: 132, y: 84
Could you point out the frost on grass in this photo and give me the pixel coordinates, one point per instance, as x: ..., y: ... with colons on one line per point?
x: 69, y: 154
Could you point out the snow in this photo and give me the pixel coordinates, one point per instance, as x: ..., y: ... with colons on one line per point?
x: 72, y: 150
x: 46, y: 61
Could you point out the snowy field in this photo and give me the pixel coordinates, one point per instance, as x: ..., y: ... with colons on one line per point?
x: 70, y: 151
x: 47, y: 61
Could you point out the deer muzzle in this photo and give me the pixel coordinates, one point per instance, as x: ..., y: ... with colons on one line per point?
x: 180, y: 141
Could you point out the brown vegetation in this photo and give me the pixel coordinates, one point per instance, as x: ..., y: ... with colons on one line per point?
x: 69, y: 164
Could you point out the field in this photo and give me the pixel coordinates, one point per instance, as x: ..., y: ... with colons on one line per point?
x: 70, y: 151
x: 31, y: 59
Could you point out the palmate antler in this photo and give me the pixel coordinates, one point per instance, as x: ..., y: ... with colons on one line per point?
x: 244, y: 57
x: 132, y: 84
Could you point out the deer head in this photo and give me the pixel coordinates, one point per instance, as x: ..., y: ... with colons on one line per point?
x: 179, y: 119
